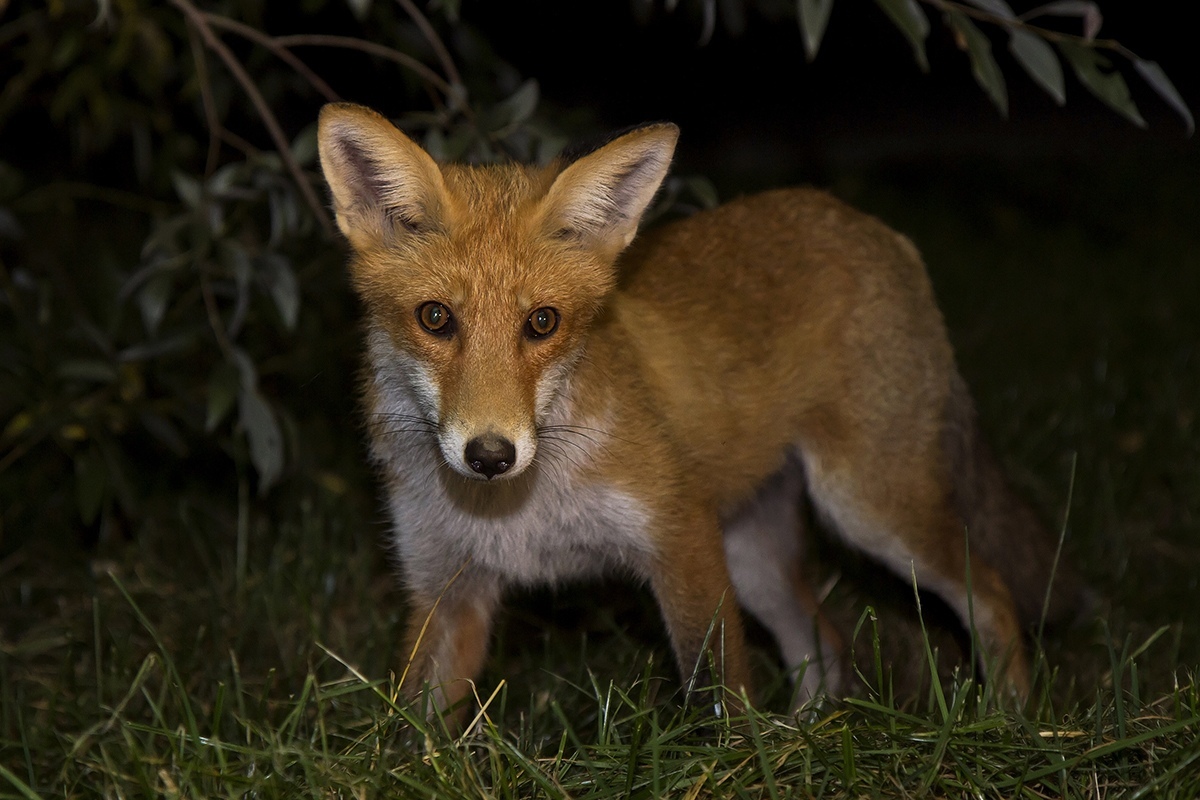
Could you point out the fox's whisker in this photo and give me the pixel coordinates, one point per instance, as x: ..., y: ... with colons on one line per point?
x: 561, y: 440
x: 587, y: 431
x: 412, y: 419
x: 554, y: 446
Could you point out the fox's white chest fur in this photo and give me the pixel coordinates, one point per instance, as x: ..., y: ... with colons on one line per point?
x: 552, y: 523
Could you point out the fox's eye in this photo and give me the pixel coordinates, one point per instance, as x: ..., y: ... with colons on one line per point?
x: 541, y: 323
x: 435, y: 318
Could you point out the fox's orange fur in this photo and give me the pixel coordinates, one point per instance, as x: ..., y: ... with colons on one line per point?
x: 547, y: 401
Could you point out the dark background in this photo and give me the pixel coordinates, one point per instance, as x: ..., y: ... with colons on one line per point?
x: 754, y: 112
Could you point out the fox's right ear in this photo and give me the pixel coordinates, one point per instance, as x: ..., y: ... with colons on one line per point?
x: 384, y: 185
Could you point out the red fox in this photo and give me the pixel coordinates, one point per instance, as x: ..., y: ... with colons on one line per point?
x: 549, y: 399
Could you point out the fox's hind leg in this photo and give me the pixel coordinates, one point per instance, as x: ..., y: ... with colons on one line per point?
x: 895, y: 504
x: 763, y: 553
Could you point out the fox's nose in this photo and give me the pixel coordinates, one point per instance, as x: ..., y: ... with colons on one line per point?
x: 490, y: 454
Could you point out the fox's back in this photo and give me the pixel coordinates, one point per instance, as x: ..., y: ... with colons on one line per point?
x: 763, y: 318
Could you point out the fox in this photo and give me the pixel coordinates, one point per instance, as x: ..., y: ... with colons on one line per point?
x: 552, y: 397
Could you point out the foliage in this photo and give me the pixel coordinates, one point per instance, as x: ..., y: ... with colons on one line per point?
x: 1031, y: 43
x: 166, y: 123
x: 197, y: 341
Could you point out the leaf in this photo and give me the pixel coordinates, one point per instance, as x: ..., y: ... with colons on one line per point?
x: 152, y: 300
x: 1153, y: 74
x: 91, y: 484
x: 162, y: 240
x: 435, y: 144
x: 87, y: 369
x: 223, y: 386
x: 225, y: 178
x: 234, y: 257
x: 1096, y: 73
x: 549, y: 145
x: 998, y: 7
x: 733, y: 17
x: 461, y: 140
x: 1038, y: 59
x: 16, y: 426
x: 281, y: 284
x: 304, y: 146
x: 188, y: 188
x: 261, y: 427
x: 359, y: 8
x: 266, y: 440
x: 912, y: 22
x: 1086, y: 10
x: 814, y: 17
x: 9, y: 227
x: 451, y: 8
x: 285, y: 216
x: 708, y: 10
x: 516, y: 108
x: 703, y: 190
x: 983, y: 63
x: 144, y: 351
x: 165, y: 432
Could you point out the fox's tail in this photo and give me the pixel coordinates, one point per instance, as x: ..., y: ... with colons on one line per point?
x: 1003, y: 529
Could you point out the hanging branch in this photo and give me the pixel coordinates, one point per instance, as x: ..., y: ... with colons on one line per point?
x: 370, y: 48
x: 198, y: 21
x: 1029, y: 45
x: 280, y: 51
x: 435, y: 41
x: 210, y: 110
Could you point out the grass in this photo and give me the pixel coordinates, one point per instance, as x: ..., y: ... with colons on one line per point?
x: 212, y: 659
x: 102, y: 700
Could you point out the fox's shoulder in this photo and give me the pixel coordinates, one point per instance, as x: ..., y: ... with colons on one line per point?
x: 794, y: 215
x: 791, y: 237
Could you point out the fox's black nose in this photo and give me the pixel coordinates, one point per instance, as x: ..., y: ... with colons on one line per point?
x: 490, y: 454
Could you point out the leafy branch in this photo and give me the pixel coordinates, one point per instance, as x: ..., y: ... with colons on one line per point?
x: 204, y: 24
x: 1029, y: 43
x: 200, y: 22
x: 184, y: 348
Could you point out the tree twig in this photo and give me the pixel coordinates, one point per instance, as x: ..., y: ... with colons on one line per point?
x: 196, y: 18
x: 371, y: 48
x: 237, y: 142
x: 280, y: 51
x: 1020, y: 22
x: 435, y: 41
x: 214, y: 317
x: 210, y: 109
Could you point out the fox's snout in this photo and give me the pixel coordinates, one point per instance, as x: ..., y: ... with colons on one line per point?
x: 490, y: 455
x: 488, y: 452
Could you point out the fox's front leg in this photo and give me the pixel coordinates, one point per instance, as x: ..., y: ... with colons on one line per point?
x: 447, y: 642
x: 698, y: 604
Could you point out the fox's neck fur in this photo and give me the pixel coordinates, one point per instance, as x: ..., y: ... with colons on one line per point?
x: 552, y: 523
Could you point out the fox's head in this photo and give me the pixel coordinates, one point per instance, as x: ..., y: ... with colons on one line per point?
x: 484, y: 280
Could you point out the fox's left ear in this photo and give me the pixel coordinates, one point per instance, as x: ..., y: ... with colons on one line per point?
x: 601, y: 197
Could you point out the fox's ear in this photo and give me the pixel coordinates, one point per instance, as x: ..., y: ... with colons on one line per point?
x: 384, y: 185
x: 600, y: 198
